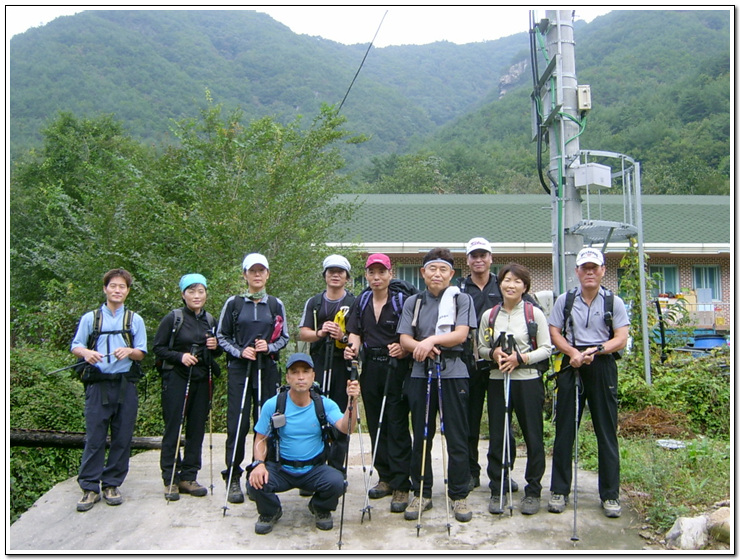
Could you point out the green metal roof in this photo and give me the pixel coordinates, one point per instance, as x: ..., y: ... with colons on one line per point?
x: 445, y: 219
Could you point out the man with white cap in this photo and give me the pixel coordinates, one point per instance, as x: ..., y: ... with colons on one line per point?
x: 252, y: 330
x: 322, y: 325
x: 589, y: 325
x: 483, y: 286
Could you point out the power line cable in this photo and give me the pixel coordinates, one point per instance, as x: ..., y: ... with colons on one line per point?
x: 362, y: 63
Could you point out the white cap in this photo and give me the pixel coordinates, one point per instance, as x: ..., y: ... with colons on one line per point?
x: 337, y: 261
x: 478, y: 244
x: 254, y: 258
x: 589, y: 255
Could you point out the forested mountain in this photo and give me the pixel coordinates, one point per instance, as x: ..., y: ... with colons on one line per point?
x: 437, y: 116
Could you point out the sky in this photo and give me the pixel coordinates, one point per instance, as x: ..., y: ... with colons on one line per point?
x: 401, y: 25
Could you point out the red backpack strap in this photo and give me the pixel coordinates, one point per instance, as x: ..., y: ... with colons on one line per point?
x: 494, y: 314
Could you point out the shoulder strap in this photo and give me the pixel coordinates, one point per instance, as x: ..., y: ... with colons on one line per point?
x: 92, y: 340
x: 417, y: 308
x: 531, y: 324
x: 176, y: 324
x: 570, y: 297
x: 494, y: 314
x: 128, y: 319
x: 236, y: 310
x: 314, y: 305
x: 318, y: 406
x: 609, y: 311
x: 126, y: 332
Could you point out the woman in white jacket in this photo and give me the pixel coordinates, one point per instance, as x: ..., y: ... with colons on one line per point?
x: 515, y: 337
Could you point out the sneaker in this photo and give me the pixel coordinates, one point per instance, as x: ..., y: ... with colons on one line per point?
x: 412, y: 510
x: 323, y: 518
x: 171, y: 492
x: 557, y: 503
x: 192, y: 487
x: 399, y: 501
x: 611, y: 508
x: 112, y: 496
x: 462, y: 512
x: 530, y: 505
x: 380, y: 490
x: 474, y: 482
x: 265, y: 523
x: 88, y: 500
x: 236, y: 496
x: 496, y: 505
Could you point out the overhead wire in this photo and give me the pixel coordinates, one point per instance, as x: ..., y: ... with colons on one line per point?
x: 362, y: 63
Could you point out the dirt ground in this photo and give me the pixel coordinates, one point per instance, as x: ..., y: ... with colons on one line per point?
x: 145, y: 522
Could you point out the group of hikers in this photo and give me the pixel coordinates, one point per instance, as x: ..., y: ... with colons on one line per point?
x: 439, y: 353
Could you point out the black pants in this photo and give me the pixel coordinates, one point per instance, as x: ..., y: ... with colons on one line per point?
x: 393, y: 457
x: 270, y: 378
x: 455, y: 413
x: 599, y: 380
x: 478, y: 387
x: 526, y: 399
x: 119, y: 418
x: 332, y: 380
x: 174, y: 387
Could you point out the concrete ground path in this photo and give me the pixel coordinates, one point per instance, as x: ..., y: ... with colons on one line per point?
x: 146, y: 523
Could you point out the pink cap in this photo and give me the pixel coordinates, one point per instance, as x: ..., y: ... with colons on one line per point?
x: 378, y: 258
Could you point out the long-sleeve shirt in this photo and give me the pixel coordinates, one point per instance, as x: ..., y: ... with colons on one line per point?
x: 255, y: 321
x: 515, y: 323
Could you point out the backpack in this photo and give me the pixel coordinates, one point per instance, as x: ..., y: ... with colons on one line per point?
x: 91, y: 374
x: 541, y: 366
x: 399, y: 290
x: 333, y: 453
x: 608, y: 312
x: 314, y: 304
x: 277, y: 318
x: 163, y: 365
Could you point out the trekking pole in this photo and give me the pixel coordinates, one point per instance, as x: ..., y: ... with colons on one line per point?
x: 352, y: 377
x: 444, y: 444
x: 577, y: 379
x: 210, y: 414
x: 392, y: 365
x: 507, y: 395
x: 367, y: 507
x: 74, y: 365
x: 328, y: 366
x: 236, y: 436
x: 193, y: 350
x: 505, y: 445
x: 424, y: 444
x: 259, y: 384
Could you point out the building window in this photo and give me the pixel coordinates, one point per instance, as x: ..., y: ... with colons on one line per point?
x: 667, y: 283
x: 708, y: 277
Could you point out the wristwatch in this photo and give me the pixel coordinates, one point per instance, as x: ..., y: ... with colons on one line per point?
x: 255, y: 463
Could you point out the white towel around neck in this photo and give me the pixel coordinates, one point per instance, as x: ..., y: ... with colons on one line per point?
x: 447, y: 314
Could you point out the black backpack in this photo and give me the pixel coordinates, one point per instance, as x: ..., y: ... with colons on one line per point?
x: 333, y: 454
x: 163, y: 365
x: 398, y: 290
x: 608, y: 312
x: 541, y: 366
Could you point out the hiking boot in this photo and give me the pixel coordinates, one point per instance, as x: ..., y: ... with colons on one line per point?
x: 557, y: 503
x: 265, y: 523
x: 171, y: 492
x: 399, y: 501
x: 88, y: 500
x: 380, y: 490
x: 496, y: 505
x: 474, y: 482
x: 611, y: 508
x: 530, y: 505
x: 462, y: 512
x: 412, y: 510
x: 192, y: 487
x: 236, y: 496
x: 323, y: 518
x: 112, y: 496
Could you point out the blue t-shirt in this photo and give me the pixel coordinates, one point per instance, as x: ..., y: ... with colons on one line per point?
x: 300, y: 438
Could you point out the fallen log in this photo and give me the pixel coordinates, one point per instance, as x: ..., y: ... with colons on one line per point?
x: 72, y: 440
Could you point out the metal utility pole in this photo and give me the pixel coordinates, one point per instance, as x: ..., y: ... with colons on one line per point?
x: 560, y: 108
